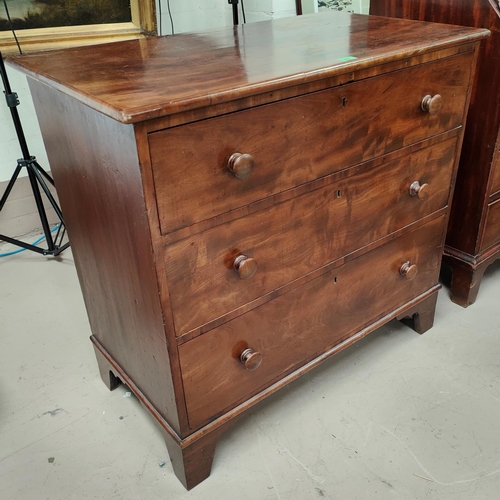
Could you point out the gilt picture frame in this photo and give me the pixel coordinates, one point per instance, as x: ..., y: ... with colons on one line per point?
x: 142, y: 23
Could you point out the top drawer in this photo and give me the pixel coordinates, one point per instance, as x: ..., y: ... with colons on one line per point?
x: 300, y: 139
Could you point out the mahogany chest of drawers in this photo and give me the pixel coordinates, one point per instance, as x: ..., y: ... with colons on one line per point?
x: 473, y: 239
x: 245, y: 203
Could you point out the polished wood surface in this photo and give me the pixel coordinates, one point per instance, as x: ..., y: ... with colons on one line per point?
x: 495, y: 185
x: 153, y: 77
x: 318, y: 135
x: 314, y: 229
x: 492, y: 225
x: 282, y: 271
x: 469, y: 235
x: 293, y: 328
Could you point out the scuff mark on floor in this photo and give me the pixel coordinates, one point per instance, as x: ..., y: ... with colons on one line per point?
x: 303, y: 467
x: 53, y: 413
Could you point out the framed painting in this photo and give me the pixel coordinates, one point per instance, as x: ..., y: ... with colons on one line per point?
x: 311, y: 6
x: 47, y: 24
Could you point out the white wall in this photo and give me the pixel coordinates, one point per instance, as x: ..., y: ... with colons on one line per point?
x: 198, y: 15
x: 9, y: 146
x: 193, y: 15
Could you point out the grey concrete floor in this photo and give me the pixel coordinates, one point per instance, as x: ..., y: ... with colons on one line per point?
x: 396, y: 416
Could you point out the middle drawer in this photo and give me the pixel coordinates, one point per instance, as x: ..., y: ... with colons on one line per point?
x: 276, y: 246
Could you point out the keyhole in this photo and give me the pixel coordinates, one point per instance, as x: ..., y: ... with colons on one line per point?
x: 339, y: 193
x: 344, y: 102
x: 335, y: 281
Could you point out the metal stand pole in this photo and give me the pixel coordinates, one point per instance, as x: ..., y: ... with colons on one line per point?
x: 234, y: 3
x: 36, y: 175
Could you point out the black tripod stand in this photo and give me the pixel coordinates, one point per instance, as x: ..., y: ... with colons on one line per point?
x: 37, y: 177
x: 234, y: 4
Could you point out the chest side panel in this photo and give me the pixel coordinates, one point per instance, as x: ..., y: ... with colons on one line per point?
x: 96, y: 170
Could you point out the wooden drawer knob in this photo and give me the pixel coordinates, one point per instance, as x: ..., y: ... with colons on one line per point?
x: 251, y: 359
x: 422, y: 191
x: 241, y: 165
x: 245, y: 266
x: 409, y: 271
x: 432, y: 105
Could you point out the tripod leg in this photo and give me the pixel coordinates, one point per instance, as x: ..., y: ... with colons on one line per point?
x: 44, y: 173
x: 10, y: 186
x: 47, y: 192
x: 41, y: 209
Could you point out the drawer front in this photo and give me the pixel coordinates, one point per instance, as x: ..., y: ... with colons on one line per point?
x: 298, y: 326
x: 491, y: 233
x: 298, y: 140
x: 299, y: 236
x: 496, y: 168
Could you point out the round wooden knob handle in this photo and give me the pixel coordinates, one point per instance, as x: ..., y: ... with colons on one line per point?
x: 251, y: 359
x: 245, y: 266
x: 241, y: 165
x: 420, y: 190
x: 409, y: 271
x: 432, y: 105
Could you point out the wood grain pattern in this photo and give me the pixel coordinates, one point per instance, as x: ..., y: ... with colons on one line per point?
x: 495, y: 168
x: 335, y: 255
x: 412, y: 307
x: 301, y: 189
x: 420, y: 317
x: 467, y: 272
x: 483, y: 120
x: 263, y: 299
x: 280, y: 94
x: 130, y: 84
x: 318, y: 135
x: 492, y: 226
x: 96, y: 169
x: 140, y: 130
x: 314, y: 229
x: 478, y: 176
x: 300, y: 325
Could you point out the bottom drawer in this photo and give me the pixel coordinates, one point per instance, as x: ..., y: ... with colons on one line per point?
x: 491, y: 233
x: 297, y: 326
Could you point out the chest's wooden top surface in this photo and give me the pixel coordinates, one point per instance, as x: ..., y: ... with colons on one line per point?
x: 148, y: 78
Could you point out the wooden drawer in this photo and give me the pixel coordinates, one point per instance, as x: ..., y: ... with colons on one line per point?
x: 301, y: 235
x: 298, y: 140
x: 496, y: 175
x: 491, y: 233
x: 495, y: 168
x: 297, y: 326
